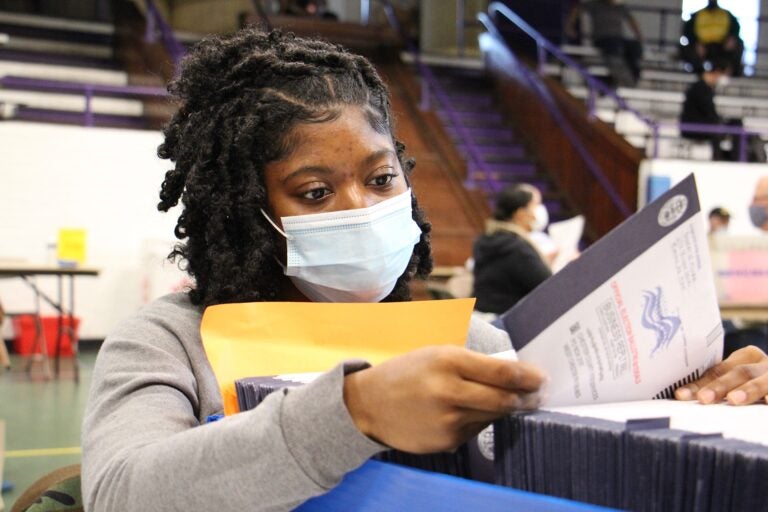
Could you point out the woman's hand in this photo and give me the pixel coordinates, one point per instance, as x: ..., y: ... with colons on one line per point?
x: 434, y: 398
x: 741, y: 379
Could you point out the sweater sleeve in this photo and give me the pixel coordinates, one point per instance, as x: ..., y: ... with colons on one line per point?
x: 144, y: 448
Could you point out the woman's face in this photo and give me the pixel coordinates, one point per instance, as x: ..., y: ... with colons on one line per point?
x: 526, y: 217
x: 337, y: 165
x: 342, y: 164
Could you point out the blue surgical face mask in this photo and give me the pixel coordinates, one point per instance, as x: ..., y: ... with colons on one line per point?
x: 758, y: 215
x: 350, y: 255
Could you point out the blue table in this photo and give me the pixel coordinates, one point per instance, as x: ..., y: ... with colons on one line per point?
x: 384, y: 487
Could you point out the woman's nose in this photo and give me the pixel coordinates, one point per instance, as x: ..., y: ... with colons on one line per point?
x: 353, y: 198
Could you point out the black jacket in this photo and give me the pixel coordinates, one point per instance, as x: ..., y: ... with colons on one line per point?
x: 507, y: 268
x: 699, y: 108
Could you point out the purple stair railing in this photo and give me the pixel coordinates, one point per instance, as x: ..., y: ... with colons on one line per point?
x: 88, y: 90
x: 155, y: 21
x: 546, y: 97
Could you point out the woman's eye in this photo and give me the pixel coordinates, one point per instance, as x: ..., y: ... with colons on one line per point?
x: 383, y: 179
x: 316, y: 193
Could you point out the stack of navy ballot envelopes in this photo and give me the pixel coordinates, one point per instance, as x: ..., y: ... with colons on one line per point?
x: 469, y: 461
x: 638, y: 464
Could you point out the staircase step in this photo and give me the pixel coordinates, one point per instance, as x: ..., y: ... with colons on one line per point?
x: 461, y: 85
x: 23, y: 113
x: 66, y: 73
x: 484, y: 135
x: 61, y: 24
x: 56, y: 34
x: 99, y: 51
x: 497, y: 152
x: 474, y: 118
x: 21, y: 55
x: 504, y: 158
x: 516, y: 168
x: 557, y: 210
x: 464, y: 100
x: 71, y: 102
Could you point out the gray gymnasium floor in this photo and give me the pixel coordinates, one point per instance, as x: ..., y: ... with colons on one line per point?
x: 42, y: 420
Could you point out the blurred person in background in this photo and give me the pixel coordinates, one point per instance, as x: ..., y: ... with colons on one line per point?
x: 712, y: 33
x: 758, y: 210
x: 622, y: 55
x: 507, y: 263
x: 719, y: 218
x: 740, y: 333
x: 699, y: 108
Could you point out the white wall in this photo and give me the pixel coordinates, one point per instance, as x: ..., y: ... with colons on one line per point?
x: 103, y: 180
x: 725, y: 184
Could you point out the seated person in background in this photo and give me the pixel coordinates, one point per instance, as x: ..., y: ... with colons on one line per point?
x: 622, y: 55
x: 508, y: 265
x: 275, y: 128
x: 712, y: 34
x: 699, y: 106
x: 719, y: 218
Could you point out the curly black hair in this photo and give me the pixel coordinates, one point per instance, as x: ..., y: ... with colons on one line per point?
x: 239, y: 98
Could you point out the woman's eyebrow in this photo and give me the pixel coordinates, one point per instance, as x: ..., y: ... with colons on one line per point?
x: 377, y: 155
x: 308, y: 169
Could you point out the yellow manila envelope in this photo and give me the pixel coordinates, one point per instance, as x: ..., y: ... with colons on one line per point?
x: 71, y: 246
x: 269, y: 338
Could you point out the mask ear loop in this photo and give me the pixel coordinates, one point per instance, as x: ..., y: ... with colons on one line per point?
x: 285, y: 235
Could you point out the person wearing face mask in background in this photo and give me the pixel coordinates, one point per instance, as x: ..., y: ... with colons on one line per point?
x: 507, y: 262
x: 699, y: 108
x: 719, y: 219
x: 541, y: 238
x: 739, y: 332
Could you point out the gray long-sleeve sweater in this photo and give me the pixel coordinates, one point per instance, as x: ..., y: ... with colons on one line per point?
x: 145, y: 447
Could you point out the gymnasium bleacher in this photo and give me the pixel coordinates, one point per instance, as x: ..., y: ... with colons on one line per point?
x: 659, y: 95
x: 65, y: 71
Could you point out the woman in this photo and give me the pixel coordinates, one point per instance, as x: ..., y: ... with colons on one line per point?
x: 272, y: 133
x: 507, y: 264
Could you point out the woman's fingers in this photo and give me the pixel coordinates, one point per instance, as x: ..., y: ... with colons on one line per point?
x: 425, y: 400
x: 743, y: 384
x: 743, y: 374
x: 752, y: 391
x: 510, y: 375
x: 483, y: 397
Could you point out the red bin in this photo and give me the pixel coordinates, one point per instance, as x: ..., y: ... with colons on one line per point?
x: 25, y: 332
